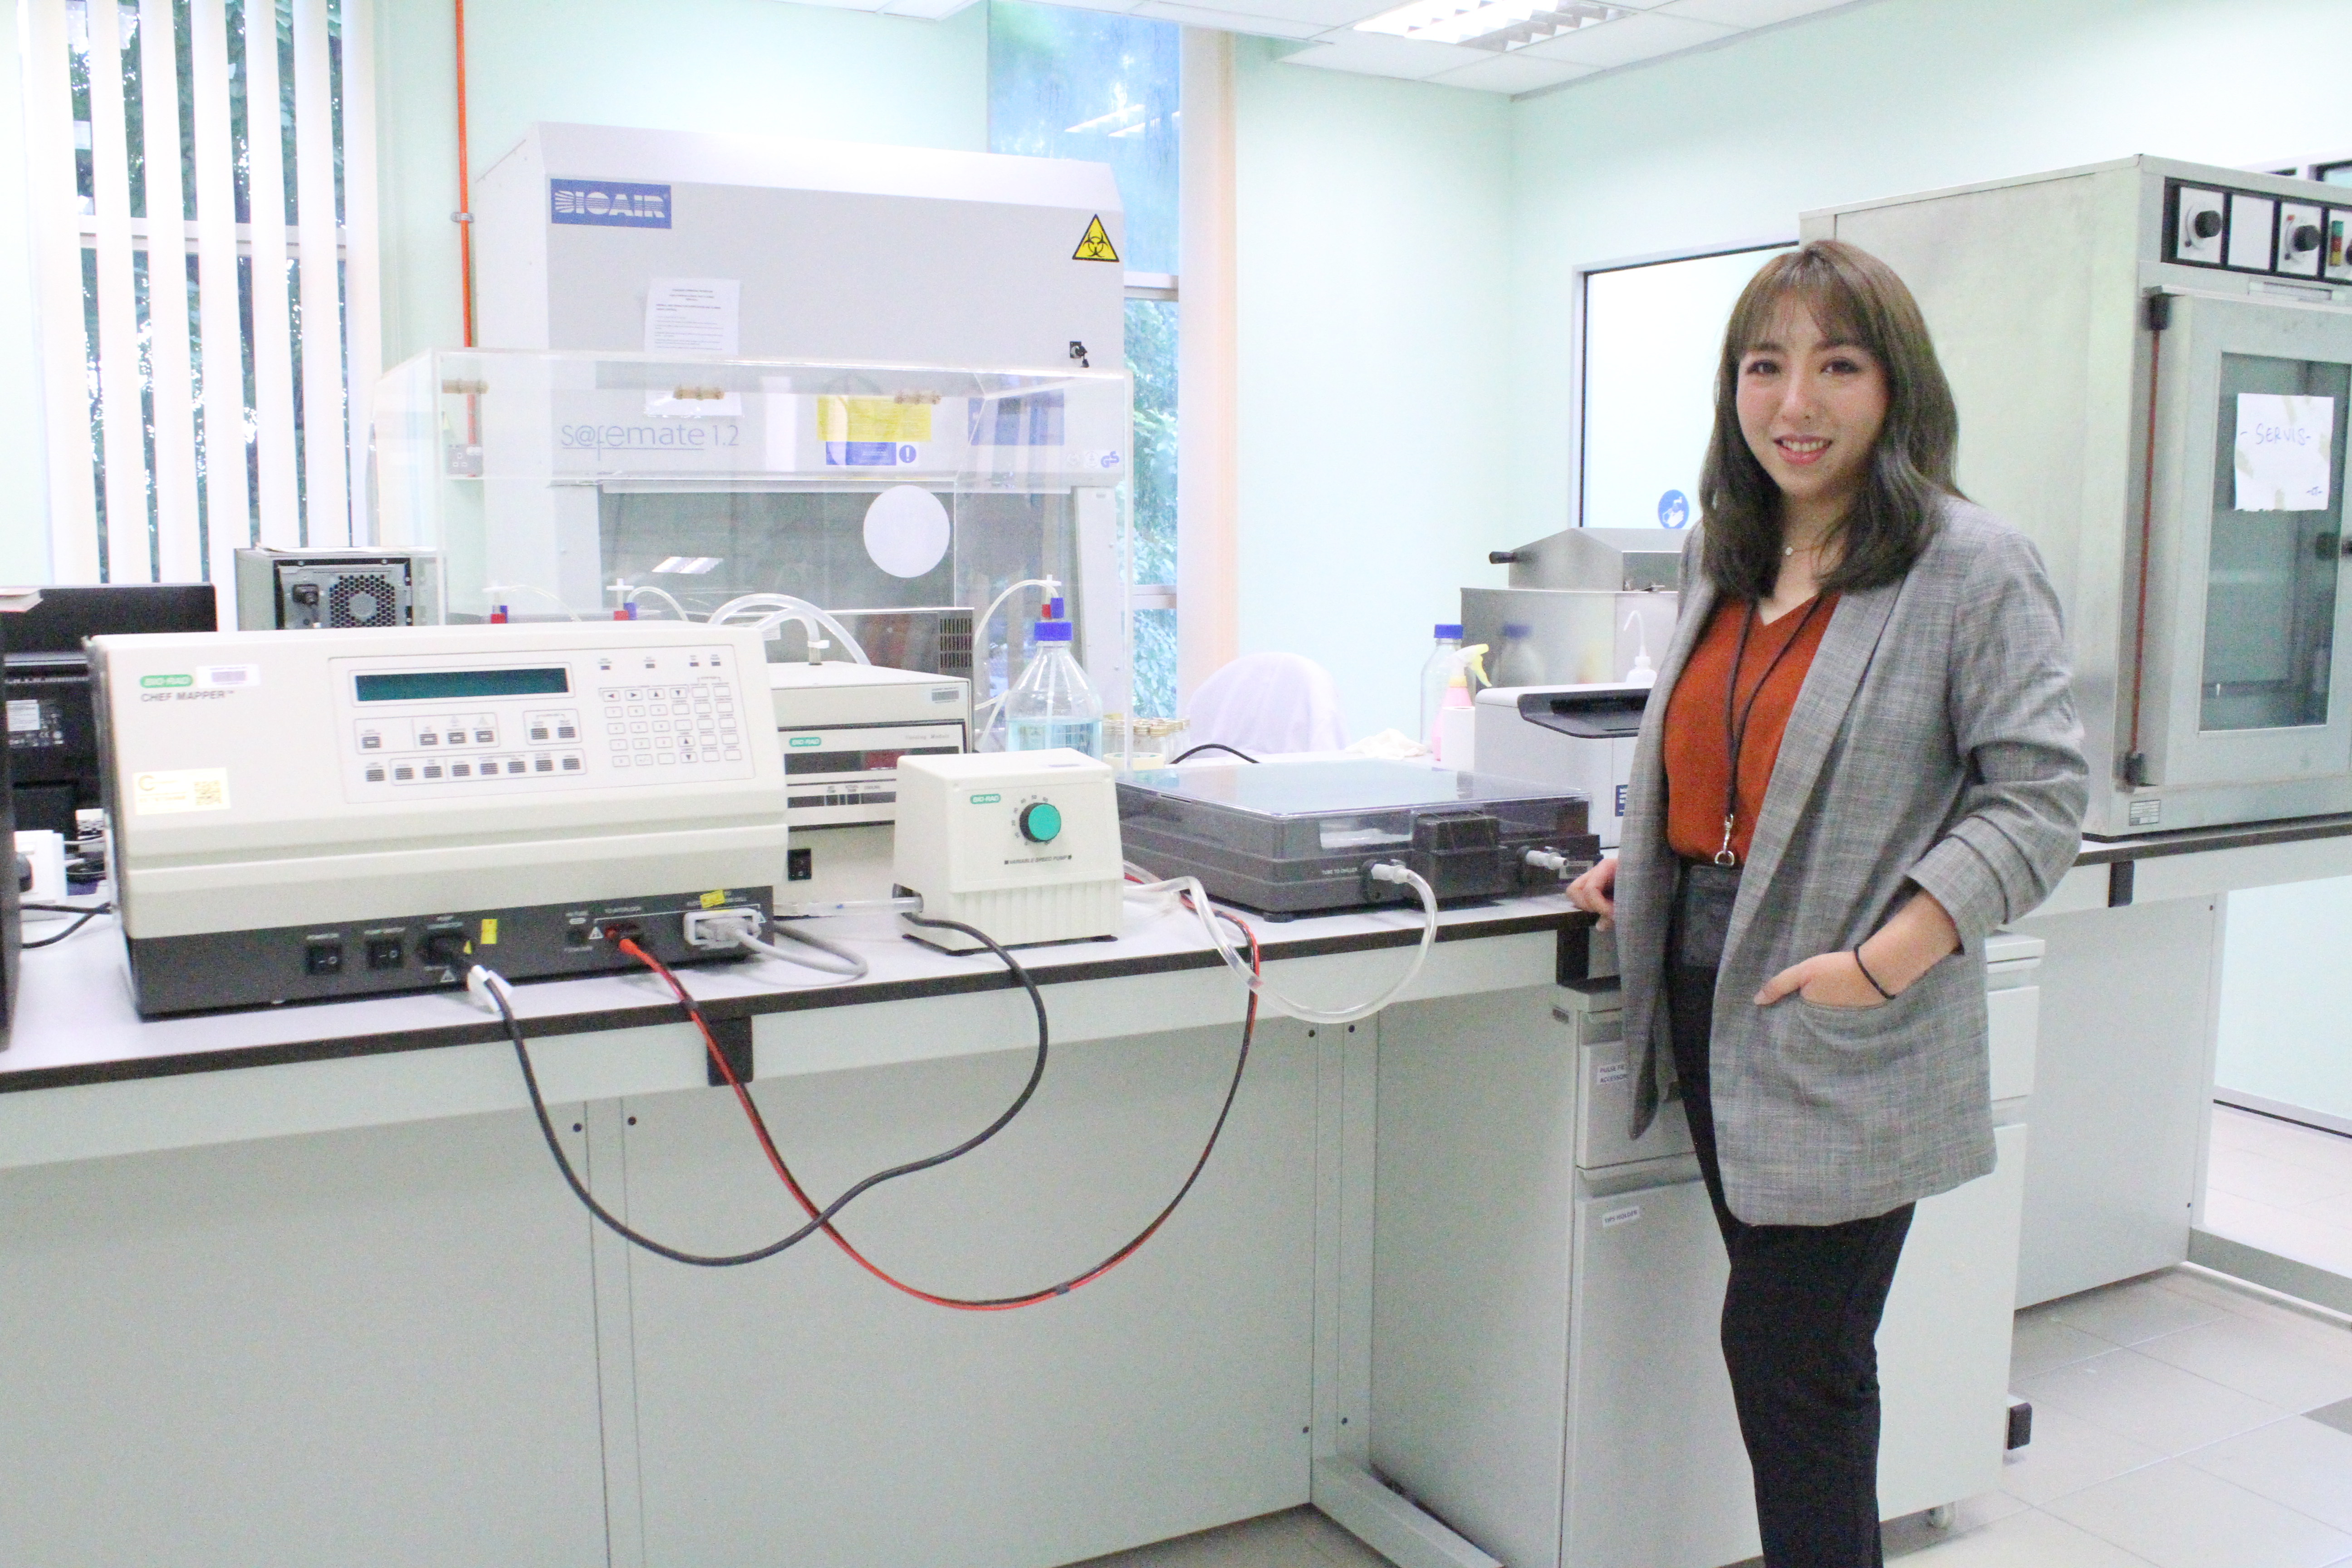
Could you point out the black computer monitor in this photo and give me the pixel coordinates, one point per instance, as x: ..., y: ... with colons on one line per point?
x: 52, y: 727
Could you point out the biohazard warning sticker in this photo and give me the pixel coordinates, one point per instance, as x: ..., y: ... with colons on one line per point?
x: 1095, y: 245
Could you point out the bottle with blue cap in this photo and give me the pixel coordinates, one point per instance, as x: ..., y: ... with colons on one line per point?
x: 1515, y: 661
x: 1053, y: 704
x: 1434, y: 677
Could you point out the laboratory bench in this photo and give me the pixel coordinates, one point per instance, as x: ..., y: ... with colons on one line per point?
x: 303, y: 1283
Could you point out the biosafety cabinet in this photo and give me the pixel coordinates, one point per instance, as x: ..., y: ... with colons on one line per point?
x: 709, y: 374
x: 2153, y: 363
x: 607, y: 237
x: 568, y: 485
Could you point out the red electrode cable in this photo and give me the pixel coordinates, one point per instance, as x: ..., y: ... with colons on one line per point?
x: 958, y: 1303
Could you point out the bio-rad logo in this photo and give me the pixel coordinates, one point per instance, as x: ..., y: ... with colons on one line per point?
x: 616, y: 204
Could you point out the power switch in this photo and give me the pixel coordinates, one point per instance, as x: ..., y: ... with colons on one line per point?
x: 386, y: 952
x: 322, y: 957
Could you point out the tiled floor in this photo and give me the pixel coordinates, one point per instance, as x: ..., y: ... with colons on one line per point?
x: 1301, y: 1537
x: 2283, y: 1188
x: 2174, y: 1425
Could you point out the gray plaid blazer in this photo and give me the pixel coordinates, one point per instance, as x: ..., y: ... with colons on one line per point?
x: 1934, y: 745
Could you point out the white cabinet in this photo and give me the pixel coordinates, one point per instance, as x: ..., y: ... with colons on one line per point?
x: 1943, y: 1346
x: 1657, y: 1474
x: 1480, y: 1234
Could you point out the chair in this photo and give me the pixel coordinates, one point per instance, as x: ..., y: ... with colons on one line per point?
x: 1267, y: 702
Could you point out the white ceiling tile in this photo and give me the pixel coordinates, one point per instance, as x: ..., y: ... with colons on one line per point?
x: 1627, y: 39
x: 1747, y: 12
x: 928, y: 10
x: 1511, y: 73
x: 1118, y: 6
x: 1225, y: 21
x: 1325, y: 13
x: 1381, y: 54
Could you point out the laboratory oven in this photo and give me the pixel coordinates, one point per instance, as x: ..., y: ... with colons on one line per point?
x: 2153, y: 363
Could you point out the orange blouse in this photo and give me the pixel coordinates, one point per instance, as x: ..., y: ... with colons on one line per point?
x: 1698, y: 747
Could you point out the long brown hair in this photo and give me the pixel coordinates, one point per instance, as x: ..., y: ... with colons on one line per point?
x: 1854, y: 296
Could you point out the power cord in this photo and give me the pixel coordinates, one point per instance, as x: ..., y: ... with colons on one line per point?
x: 844, y: 963
x: 87, y: 912
x: 1190, y: 892
x: 1210, y: 746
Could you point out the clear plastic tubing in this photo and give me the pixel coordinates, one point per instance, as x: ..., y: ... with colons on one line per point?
x: 783, y: 607
x: 1054, y: 704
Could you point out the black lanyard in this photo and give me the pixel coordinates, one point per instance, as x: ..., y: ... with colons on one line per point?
x: 1735, y: 717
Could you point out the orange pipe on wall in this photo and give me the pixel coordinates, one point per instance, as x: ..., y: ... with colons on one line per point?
x: 465, y: 213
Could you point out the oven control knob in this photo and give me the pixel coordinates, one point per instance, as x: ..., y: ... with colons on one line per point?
x: 1041, y: 822
x: 2304, y: 238
x: 2206, y: 224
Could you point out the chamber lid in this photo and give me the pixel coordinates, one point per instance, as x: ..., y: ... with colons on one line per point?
x: 1320, y: 788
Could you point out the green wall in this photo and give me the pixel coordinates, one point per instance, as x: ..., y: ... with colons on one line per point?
x: 1373, y: 221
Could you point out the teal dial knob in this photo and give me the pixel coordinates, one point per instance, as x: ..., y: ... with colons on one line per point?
x: 1041, y: 822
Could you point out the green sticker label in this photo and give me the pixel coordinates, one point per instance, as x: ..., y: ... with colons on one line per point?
x: 151, y: 680
x: 986, y: 799
x: 808, y: 740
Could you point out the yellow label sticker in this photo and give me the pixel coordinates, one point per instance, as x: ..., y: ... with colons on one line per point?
x: 166, y: 790
x: 872, y: 419
x: 712, y: 900
x: 1095, y: 245
x: 490, y: 931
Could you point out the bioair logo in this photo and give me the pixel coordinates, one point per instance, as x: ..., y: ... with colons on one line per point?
x: 155, y: 681
x: 616, y: 204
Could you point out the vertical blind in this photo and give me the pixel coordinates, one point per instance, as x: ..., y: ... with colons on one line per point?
x: 202, y: 214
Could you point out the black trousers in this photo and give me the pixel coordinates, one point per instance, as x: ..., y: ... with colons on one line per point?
x: 1799, y: 1338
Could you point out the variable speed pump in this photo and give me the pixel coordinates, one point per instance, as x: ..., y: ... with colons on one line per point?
x: 301, y: 815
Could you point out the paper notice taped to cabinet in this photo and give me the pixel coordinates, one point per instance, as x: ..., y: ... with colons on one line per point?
x: 694, y: 316
x: 2284, y: 451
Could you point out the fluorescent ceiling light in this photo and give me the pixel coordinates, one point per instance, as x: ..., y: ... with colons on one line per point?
x: 1497, y: 24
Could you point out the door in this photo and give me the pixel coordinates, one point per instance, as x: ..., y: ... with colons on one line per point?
x: 2244, y: 662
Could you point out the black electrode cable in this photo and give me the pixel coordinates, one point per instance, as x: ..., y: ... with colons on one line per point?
x: 1211, y: 746
x: 1119, y: 1255
x: 823, y: 1217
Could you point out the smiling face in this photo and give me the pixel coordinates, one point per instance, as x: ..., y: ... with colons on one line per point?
x: 1811, y: 405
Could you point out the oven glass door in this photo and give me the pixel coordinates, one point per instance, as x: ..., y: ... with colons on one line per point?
x: 2259, y: 399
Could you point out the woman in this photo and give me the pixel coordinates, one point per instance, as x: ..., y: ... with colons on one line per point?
x: 1860, y: 756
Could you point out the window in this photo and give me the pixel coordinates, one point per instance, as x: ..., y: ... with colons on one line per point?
x: 1652, y: 335
x: 1081, y: 84
x: 202, y: 192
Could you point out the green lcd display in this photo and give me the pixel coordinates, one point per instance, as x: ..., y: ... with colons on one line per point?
x: 424, y: 685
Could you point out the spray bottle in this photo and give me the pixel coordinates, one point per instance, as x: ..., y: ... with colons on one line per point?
x: 1643, y: 672
x: 1456, y: 716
